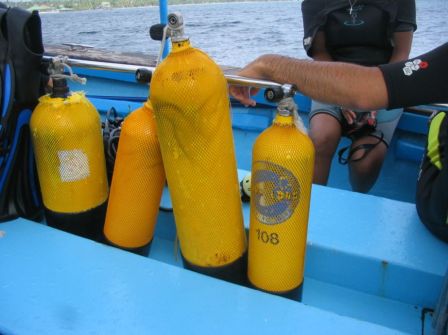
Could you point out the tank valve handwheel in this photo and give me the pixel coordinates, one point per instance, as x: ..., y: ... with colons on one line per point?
x: 143, y: 76
x: 156, y: 31
x: 273, y: 94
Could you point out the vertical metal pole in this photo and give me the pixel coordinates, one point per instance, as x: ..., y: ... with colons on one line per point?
x: 163, y: 9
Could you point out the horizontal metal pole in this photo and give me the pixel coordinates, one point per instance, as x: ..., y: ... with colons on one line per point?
x: 231, y: 79
x: 243, y: 81
x: 89, y: 64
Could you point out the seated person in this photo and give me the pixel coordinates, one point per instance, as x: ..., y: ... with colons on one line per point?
x: 365, y: 32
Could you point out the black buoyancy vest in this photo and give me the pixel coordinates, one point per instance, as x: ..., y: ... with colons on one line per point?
x: 26, y: 51
x: 5, y: 74
x: 21, y: 51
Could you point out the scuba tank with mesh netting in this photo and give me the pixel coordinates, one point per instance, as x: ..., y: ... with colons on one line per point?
x: 282, y: 172
x: 191, y: 105
x: 66, y: 133
x: 137, y: 183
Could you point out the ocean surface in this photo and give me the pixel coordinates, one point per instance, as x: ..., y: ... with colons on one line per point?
x: 232, y: 33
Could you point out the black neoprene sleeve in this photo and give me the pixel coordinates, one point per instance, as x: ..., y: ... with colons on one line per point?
x: 420, y: 80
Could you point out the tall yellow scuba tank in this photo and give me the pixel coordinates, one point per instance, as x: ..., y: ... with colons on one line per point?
x: 282, y: 171
x: 67, y: 141
x: 137, y: 183
x: 191, y: 105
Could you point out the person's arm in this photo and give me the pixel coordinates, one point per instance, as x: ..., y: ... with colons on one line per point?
x: 402, y: 46
x: 343, y: 84
x: 319, y: 50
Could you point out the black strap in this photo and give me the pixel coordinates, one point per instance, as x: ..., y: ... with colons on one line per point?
x: 367, y: 147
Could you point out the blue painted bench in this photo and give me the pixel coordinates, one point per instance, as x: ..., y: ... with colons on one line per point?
x: 368, y: 257
x: 371, y: 268
x: 56, y: 283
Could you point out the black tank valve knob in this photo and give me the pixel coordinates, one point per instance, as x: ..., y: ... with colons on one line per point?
x: 156, y: 31
x: 273, y: 94
x: 143, y: 76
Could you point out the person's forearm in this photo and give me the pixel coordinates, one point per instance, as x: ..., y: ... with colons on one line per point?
x: 343, y: 84
x: 319, y: 49
x: 402, y: 48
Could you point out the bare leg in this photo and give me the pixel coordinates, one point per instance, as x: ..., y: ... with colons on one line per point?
x: 364, y: 173
x: 325, y: 132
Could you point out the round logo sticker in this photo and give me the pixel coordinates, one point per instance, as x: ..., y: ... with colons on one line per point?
x: 276, y: 192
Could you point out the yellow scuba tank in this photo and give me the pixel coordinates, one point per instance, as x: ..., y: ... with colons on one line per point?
x: 137, y: 183
x: 66, y: 133
x: 282, y: 171
x: 191, y: 105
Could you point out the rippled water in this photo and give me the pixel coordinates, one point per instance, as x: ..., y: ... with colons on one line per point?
x: 232, y: 33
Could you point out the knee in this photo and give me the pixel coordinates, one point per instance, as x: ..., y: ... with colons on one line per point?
x: 366, y: 160
x: 364, y: 172
x: 324, y: 144
x: 363, y: 175
x: 367, y: 165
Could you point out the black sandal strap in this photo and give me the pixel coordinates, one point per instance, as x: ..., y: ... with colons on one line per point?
x: 367, y: 147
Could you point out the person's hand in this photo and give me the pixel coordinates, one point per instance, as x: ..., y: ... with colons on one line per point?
x: 349, y: 115
x: 243, y: 94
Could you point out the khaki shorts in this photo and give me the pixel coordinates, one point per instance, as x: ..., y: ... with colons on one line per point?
x: 387, y: 120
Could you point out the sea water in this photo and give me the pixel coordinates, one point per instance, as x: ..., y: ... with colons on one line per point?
x: 233, y: 33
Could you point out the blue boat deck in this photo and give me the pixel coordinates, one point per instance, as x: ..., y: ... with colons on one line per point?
x: 371, y: 266
x: 370, y: 269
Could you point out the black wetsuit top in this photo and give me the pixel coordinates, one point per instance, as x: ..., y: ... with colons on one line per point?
x: 420, y: 80
x: 363, y: 36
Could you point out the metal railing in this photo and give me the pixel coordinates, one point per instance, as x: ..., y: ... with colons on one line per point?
x: 231, y: 79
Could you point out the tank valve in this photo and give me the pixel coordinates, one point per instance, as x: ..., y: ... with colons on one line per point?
x: 276, y: 94
x: 273, y: 94
x: 174, y: 29
x: 175, y: 21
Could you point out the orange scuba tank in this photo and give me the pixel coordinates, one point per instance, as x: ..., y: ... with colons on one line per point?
x: 137, y: 183
x: 282, y: 173
x: 191, y: 105
x: 66, y: 134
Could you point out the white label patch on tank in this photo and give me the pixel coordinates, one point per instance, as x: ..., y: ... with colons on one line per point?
x: 74, y: 165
